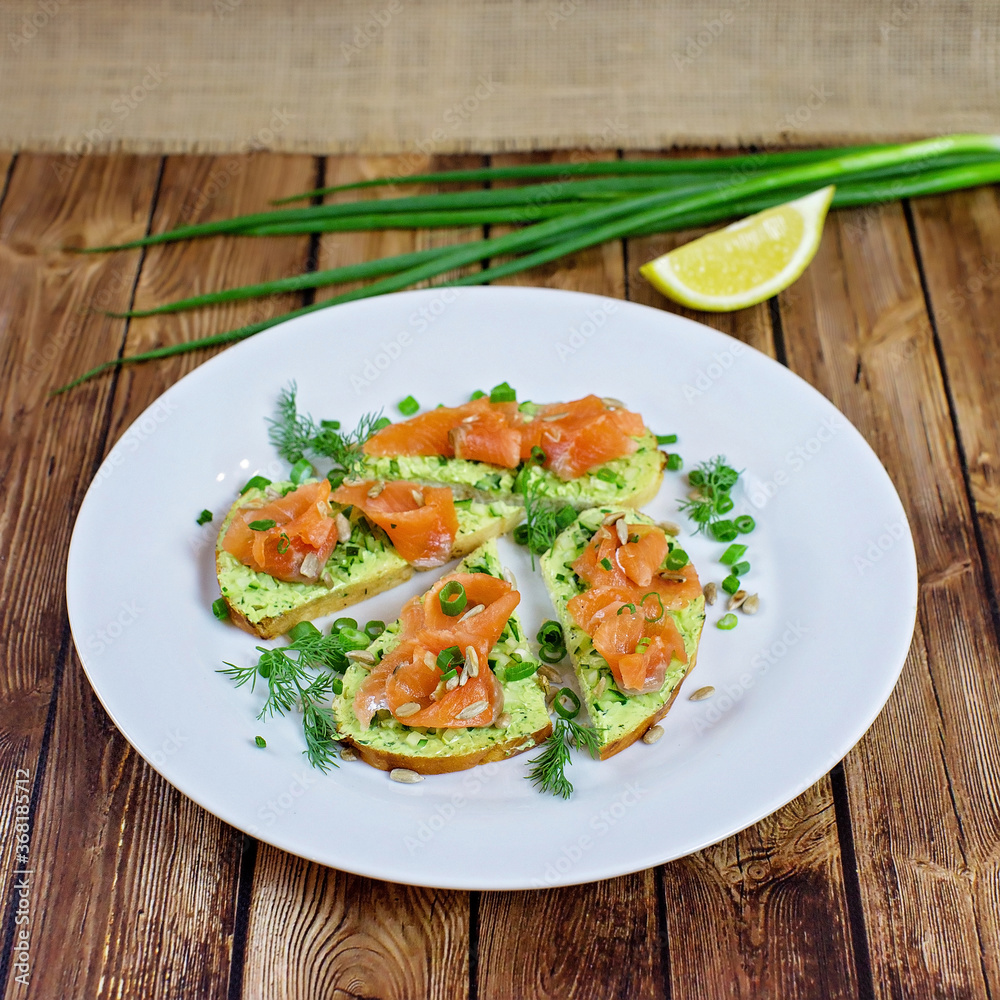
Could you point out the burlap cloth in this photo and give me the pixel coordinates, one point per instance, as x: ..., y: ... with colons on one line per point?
x: 457, y: 75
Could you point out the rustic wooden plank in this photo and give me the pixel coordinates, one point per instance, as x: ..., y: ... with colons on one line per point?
x: 600, y: 939
x: 782, y: 929
x: 50, y: 446
x: 313, y: 931
x: 922, y: 784
x: 959, y: 242
x: 112, y: 835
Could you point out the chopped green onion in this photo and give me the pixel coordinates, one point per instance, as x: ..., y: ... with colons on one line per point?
x: 724, y: 531
x: 220, y: 609
x: 330, y: 425
x: 354, y: 638
x: 659, y: 601
x: 204, y: 517
x: 408, y: 407
x: 677, y: 559
x: 518, y: 671
x: 260, y: 741
x: 452, y: 654
x: 674, y: 462
x: 610, y: 476
x: 344, y: 623
x: 255, y: 483
x: 336, y: 477
x: 550, y: 633
x: 666, y: 439
x: 478, y: 394
x: 301, y: 471
x: 606, y: 563
x: 731, y: 584
x: 643, y: 644
x: 537, y: 455
x: 745, y: 524
x: 503, y: 393
x: 283, y: 543
x: 630, y: 606
x: 380, y: 423
x: 374, y: 628
x: 732, y: 554
x: 727, y: 622
x: 740, y: 569
x: 264, y: 525
x: 562, y: 696
x: 696, y: 477
x: 551, y: 654
x: 565, y: 516
x: 452, y: 598
x: 302, y: 630
x: 337, y: 685
x: 521, y: 534
x: 448, y: 674
x: 723, y: 503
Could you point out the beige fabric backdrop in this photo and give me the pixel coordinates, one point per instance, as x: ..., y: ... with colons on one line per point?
x: 455, y: 75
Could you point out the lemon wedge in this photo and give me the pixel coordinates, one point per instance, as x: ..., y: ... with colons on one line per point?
x: 747, y: 262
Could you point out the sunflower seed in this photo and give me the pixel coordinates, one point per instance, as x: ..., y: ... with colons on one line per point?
x: 346, y: 753
x: 311, y: 567
x: 510, y: 578
x: 736, y: 600
x: 430, y: 660
x: 504, y: 721
x: 556, y: 416
x: 695, y: 495
x: 343, y: 528
x: 622, y: 528
x: 600, y: 687
x: 418, y: 497
x: 360, y: 656
x: 543, y: 683
x: 271, y: 492
x: 406, y: 710
x: 670, y: 528
x: 472, y: 612
x: 550, y: 673
x: 751, y: 605
x: 471, y: 661
x: 470, y: 711
x: 471, y: 419
x: 711, y: 591
x: 405, y: 776
x: 375, y: 490
x: 463, y: 678
x: 652, y: 734
x: 614, y: 516
x: 451, y: 683
x: 671, y: 576
x: 438, y: 693
x: 702, y: 693
x: 613, y: 404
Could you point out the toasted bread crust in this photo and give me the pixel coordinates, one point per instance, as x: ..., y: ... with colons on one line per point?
x: 386, y: 760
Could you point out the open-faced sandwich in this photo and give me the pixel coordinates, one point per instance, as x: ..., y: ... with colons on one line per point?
x: 583, y: 453
x: 452, y: 683
x: 288, y: 553
x: 632, y: 611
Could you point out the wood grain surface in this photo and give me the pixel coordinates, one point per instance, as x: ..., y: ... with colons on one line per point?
x: 880, y: 881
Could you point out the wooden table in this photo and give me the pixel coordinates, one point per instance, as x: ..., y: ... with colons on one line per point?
x: 882, y: 880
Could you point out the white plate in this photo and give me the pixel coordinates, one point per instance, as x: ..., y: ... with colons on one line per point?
x: 796, y: 686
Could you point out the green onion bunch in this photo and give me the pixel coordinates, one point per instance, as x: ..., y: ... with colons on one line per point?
x: 558, y: 209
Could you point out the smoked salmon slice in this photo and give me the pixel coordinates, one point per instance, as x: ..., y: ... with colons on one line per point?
x: 574, y: 437
x: 409, y: 681
x: 298, y: 543
x: 420, y: 521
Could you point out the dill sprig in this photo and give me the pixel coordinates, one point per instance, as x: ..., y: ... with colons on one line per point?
x: 542, y: 522
x: 290, y: 684
x: 710, y: 501
x: 549, y: 771
x: 297, y: 435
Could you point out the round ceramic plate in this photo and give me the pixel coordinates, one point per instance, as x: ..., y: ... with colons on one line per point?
x: 796, y: 685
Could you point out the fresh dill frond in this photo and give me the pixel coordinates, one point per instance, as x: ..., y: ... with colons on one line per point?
x: 549, y: 771
x: 542, y: 522
x: 288, y: 672
x: 297, y: 435
x: 712, y: 482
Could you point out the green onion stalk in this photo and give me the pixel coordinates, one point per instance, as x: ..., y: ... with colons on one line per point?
x: 692, y: 193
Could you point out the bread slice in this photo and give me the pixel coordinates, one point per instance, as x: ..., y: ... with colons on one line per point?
x: 619, y: 719
x: 625, y: 482
x: 365, y: 565
x: 387, y: 743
